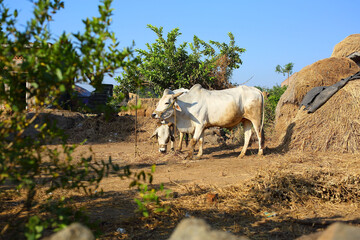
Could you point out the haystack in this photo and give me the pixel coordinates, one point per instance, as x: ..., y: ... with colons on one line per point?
x: 346, y: 47
x: 334, y: 127
x: 325, y: 72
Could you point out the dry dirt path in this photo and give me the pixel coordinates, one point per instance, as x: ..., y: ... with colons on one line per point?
x: 217, y: 167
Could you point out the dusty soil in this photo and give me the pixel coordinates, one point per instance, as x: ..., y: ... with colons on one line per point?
x: 261, y: 197
x: 238, y: 207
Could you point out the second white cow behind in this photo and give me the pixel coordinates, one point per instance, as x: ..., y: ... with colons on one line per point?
x: 165, y: 134
x: 199, y: 109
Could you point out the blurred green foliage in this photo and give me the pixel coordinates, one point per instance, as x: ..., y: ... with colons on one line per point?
x: 49, y: 68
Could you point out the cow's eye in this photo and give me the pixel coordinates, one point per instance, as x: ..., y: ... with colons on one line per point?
x: 167, y: 103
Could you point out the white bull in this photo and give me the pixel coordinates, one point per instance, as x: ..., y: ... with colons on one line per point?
x: 165, y: 133
x: 199, y: 109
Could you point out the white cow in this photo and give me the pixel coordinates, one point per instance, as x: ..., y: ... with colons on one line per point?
x: 165, y: 133
x: 199, y: 109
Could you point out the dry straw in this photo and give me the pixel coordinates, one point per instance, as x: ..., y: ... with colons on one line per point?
x: 332, y: 127
x: 347, y: 46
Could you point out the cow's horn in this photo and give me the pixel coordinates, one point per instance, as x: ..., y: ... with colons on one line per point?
x: 177, y: 95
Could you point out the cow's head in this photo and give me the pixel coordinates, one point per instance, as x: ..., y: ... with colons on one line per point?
x: 166, y: 105
x: 163, y: 134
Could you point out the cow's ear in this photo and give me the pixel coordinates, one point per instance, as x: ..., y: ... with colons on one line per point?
x: 154, y: 134
x: 177, y: 107
x: 166, y: 92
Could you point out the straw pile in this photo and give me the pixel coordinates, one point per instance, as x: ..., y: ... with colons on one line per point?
x: 347, y: 46
x: 333, y: 127
x: 286, y: 189
x: 325, y: 72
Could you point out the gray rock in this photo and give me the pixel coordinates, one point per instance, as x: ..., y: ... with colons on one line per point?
x: 75, y: 231
x: 197, y: 229
x: 336, y: 231
x: 340, y: 231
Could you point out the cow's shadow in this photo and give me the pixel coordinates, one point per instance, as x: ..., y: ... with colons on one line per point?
x: 230, y: 147
x: 235, y: 149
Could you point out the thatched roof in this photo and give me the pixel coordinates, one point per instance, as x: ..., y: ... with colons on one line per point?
x: 325, y: 72
x: 348, y: 46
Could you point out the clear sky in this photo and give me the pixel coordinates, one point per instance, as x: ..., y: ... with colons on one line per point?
x: 272, y: 32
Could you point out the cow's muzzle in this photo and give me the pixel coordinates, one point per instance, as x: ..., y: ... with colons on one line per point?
x: 162, y: 148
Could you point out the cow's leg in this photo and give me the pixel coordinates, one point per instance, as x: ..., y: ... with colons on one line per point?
x: 193, y: 141
x: 172, y: 145
x: 259, y: 134
x: 180, y: 141
x: 247, y: 132
x: 201, y: 145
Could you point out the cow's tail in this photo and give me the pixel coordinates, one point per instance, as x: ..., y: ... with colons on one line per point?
x: 262, y: 132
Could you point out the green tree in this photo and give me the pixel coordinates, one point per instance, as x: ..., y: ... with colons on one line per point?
x: 167, y: 65
x: 50, y: 67
x: 286, y: 69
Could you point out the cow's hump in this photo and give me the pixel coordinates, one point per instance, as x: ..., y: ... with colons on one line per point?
x: 196, y: 87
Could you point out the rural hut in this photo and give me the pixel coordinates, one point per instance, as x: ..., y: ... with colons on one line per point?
x: 335, y: 126
x: 349, y: 47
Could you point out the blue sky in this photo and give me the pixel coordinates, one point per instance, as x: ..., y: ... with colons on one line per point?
x: 272, y: 32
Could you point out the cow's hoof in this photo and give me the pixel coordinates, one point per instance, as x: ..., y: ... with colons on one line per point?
x: 189, y: 157
x: 197, y: 157
x: 241, y: 155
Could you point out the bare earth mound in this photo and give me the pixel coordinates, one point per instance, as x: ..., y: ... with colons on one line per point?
x: 325, y: 72
x: 147, y: 107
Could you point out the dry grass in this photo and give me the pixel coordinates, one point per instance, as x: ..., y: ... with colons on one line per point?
x: 347, y: 46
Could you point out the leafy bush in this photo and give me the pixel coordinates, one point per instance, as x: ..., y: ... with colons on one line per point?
x: 165, y: 65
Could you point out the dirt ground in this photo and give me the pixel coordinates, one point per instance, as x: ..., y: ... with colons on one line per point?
x: 238, y: 208
x: 281, y: 195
